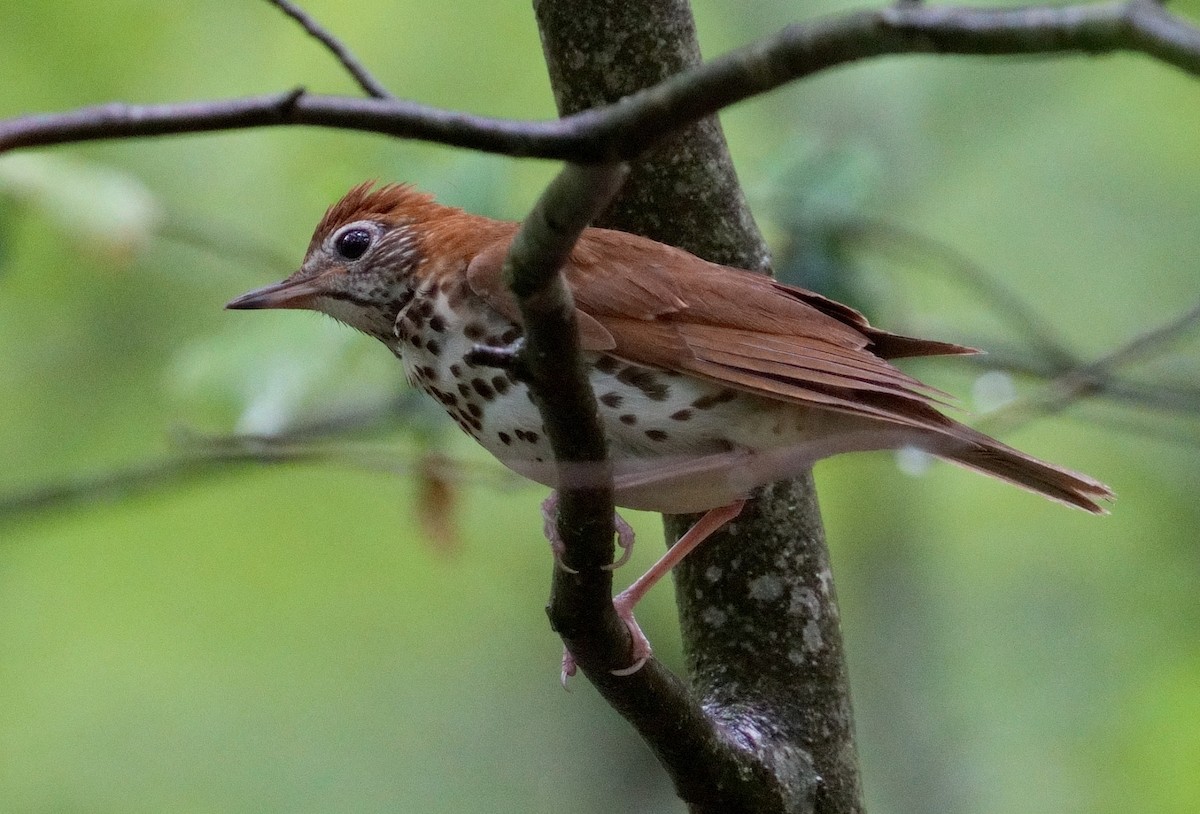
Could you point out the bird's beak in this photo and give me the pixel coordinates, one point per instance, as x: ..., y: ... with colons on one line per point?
x: 291, y: 293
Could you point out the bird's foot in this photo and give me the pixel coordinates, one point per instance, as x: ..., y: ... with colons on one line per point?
x: 569, y: 668
x: 625, y: 536
x: 641, y: 652
x: 557, y: 548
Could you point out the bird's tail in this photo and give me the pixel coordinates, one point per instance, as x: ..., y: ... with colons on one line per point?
x: 977, y: 451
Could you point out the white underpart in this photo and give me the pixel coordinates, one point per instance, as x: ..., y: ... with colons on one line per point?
x: 677, y: 444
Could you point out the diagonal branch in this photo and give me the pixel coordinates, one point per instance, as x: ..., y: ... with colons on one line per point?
x: 362, y: 76
x: 653, y: 699
x: 625, y: 129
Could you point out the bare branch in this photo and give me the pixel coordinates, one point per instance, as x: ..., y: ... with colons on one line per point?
x: 1098, y: 378
x: 777, y: 735
x: 362, y: 76
x: 623, y: 130
x: 551, y: 360
x: 205, y: 456
x: 653, y: 699
x: 1150, y: 341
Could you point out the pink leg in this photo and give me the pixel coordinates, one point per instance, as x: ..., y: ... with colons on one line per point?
x: 624, y: 602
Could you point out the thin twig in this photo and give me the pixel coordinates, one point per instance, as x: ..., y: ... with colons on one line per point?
x: 624, y: 130
x: 204, y: 457
x: 1150, y: 341
x: 362, y: 76
x: 1098, y: 378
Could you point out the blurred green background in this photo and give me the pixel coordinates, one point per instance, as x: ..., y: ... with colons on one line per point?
x: 318, y: 636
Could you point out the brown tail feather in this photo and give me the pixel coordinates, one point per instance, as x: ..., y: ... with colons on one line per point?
x: 991, y: 457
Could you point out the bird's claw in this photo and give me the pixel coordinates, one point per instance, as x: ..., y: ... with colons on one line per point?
x: 625, y: 538
x: 569, y: 668
x: 550, y: 529
x: 641, y: 651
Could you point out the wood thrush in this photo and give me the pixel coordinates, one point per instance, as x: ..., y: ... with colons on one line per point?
x: 710, y: 380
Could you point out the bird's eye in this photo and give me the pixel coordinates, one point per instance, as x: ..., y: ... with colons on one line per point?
x: 352, y: 243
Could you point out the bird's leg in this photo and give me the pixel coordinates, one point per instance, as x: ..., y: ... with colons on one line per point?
x: 624, y: 602
x: 568, y: 668
x: 711, y: 522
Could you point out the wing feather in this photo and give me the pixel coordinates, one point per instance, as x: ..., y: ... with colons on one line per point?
x: 656, y: 305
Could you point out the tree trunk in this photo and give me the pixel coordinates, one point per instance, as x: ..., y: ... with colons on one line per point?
x: 757, y: 604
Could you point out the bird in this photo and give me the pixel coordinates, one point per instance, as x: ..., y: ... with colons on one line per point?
x: 710, y: 381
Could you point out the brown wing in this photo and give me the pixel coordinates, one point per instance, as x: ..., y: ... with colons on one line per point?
x: 656, y: 305
x: 485, y: 275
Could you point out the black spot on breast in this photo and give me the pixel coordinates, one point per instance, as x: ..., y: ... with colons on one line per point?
x: 483, y: 389
x: 433, y: 347
x: 505, y: 438
x: 607, y: 364
x: 437, y: 324
x: 501, y: 384
x: 611, y: 400
x: 713, y: 399
x: 681, y: 415
x: 645, y: 380
x: 656, y: 435
x: 628, y: 418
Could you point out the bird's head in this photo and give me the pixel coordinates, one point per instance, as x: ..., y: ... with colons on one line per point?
x: 362, y: 262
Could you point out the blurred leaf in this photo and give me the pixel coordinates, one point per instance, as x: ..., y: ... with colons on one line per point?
x: 101, y: 209
x: 262, y: 377
x: 812, y: 194
x: 437, y: 503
